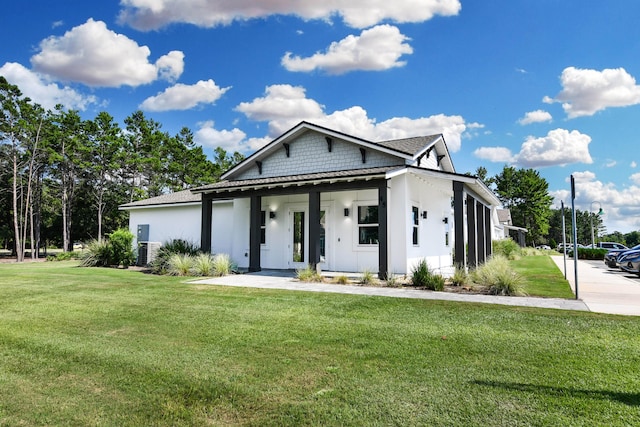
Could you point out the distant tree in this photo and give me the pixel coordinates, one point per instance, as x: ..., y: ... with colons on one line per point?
x: 481, y: 173
x: 526, y: 194
x: 104, y: 166
x: 632, y: 239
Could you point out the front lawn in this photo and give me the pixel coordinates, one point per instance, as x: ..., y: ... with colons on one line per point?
x: 87, y: 346
x: 541, y: 277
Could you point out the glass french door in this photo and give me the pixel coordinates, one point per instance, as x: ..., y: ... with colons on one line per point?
x: 298, y: 246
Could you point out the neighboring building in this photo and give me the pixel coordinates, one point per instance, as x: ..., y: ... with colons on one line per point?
x: 341, y: 203
x: 510, y: 230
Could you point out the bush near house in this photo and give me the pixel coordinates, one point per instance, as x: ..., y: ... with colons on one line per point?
x: 508, y: 248
x: 422, y: 276
x: 160, y: 265
x: 113, y: 251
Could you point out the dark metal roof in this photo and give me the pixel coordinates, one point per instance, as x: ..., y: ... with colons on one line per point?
x: 184, y: 196
x: 294, y: 179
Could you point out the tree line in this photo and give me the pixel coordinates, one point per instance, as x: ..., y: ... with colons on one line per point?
x: 62, y: 177
x: 526, y: 194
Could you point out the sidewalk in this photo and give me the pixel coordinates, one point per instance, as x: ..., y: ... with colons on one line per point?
x: 603, y: 290
x: 285, y: 280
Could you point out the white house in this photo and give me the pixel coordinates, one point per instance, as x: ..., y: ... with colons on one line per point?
x: 341, y: 203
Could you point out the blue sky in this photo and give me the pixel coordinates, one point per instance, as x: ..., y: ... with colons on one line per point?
x: 546, y: 84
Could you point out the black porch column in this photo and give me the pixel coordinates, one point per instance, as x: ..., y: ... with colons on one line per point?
x: 205, y: 226
x: 254, y: 234
x: 458, y: 222
x: 472, y: 244
x: 481, y: 233
x: 488, y: 231
x: 383, y: 249
x: 314, y: 228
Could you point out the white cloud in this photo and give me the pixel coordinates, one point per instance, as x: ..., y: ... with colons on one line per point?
x: 621, y: 206
x: 284, y: 106
x: 633, y: 164
x: 537, y: 116
x: 184, y: 97
x: 635, y: 178
x: 171, y: 65
x: 154, y: 14
x: 208, y: 136
x: 585, y: 92
x: 375, y: 49
x: 494, y: 154
x: 43, y: 91
x: 610, y: 163
x: 96, y: 56
x: 559, y: 147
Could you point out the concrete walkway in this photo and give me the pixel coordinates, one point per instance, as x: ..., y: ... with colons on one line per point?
x: 285, y: 280
x: 602, y: 289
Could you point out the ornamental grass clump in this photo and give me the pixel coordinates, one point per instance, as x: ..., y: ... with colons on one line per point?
x: 422, y: 276
x: 160, y: 264
x: 497, y: 275
x: 460, y: 276
x: 222, y: 265
x: 367, y: 277
x: 180, y: 265
x: 203, y: 265
x: 507, y: 248
x: 308, y: 274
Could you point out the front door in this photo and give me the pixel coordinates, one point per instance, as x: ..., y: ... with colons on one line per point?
x: 298, y: 241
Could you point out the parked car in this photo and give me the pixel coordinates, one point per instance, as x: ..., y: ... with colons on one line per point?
x: 544, y: 247
x: 630, y: 262
x: 611, y: 245
x: 611, y: 257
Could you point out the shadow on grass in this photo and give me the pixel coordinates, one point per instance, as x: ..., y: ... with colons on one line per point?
x: 631, y: 399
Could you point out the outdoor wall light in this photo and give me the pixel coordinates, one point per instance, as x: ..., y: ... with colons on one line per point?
x: 272, y: 215
x: 424, y: 214
x: 346, y: 211
x: 446, y: 220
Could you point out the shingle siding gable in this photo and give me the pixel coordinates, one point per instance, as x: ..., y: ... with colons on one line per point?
x: 310, y: 153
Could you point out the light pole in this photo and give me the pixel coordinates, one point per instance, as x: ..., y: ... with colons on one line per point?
x: 600, y: 212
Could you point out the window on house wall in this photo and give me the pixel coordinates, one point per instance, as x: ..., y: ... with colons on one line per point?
x: 368, y: 225
x: 415, y: 214
x: 263, y: 227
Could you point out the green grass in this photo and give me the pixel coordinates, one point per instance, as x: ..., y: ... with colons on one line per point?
x: 541, y: 277
x: 86, y: 346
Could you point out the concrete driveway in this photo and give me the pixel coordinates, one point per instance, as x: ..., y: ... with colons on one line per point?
x: 602, y: 289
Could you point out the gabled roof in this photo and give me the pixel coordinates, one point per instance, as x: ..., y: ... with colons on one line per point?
x: 407, y: 148
x: 177, y: 198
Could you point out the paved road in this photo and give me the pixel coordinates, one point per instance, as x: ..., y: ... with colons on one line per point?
x: 602, y: 289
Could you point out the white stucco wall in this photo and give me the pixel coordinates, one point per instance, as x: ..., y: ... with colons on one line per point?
x: 168, y: 222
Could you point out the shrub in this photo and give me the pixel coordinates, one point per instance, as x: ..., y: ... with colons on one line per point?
x: 180, y: 265
x: 507, y: 248
x: 460, y: 276
x: 367, y: 277
x: 64, y: 256
x: 97, y: 254
x: 422, y: 276
x: 121, y: 248
x: 160, y: 264
x: 308, y: 274
x: 222, y: 265
x: 498, y: 276
x: 589, y: 253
